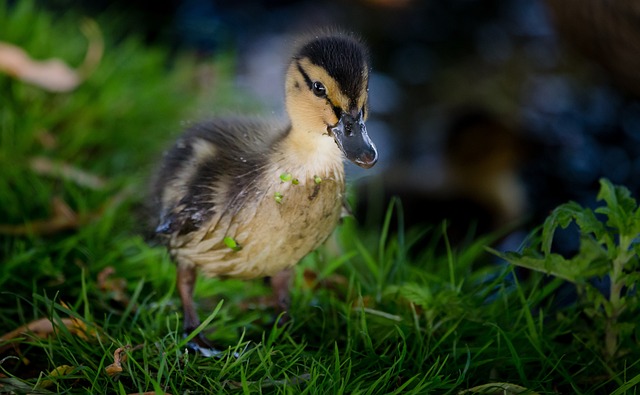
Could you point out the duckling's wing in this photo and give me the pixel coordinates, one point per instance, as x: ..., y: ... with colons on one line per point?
x: 209, y: 167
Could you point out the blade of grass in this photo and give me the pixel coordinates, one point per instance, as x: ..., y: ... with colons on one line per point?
x: 452, y: 273
x: 132, y: 302
x: 200, y: 327
x: 526, y: 312
x: 632, y: 383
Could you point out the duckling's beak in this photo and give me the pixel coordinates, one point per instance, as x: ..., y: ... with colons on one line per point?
x: 352, y: 138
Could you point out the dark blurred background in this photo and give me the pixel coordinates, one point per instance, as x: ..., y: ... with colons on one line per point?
x: 485, y: 112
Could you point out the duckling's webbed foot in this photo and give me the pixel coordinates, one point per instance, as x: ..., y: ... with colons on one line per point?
x: 203, y: 346
x: 280, y: 286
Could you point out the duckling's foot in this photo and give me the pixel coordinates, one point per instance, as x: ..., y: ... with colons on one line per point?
x: 280, y: 284
x: 204, y: 351
x: 203, y: 346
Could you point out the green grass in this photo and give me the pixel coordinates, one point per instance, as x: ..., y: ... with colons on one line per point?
x: 384, y: 311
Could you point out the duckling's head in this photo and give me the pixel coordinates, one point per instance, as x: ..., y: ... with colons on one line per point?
x: 327, y: 91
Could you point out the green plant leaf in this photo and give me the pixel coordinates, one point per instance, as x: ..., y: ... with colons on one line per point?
x: 563, y: 215
x: 620, y: 209
x: 591, y: 261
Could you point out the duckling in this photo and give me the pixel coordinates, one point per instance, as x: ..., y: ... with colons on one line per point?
x: 247, y: 198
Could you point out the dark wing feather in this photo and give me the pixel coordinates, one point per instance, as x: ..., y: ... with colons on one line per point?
x: 239, y: 149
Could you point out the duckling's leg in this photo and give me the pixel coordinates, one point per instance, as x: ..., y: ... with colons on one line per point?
x: 280, y: 285
x: 186, y: 282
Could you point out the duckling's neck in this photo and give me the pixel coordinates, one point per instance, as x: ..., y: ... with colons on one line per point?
x: 308, y: 144
x: 311, y: 151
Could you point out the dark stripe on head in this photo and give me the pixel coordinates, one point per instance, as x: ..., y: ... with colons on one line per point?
x: 344, y: 59
x: 337, y: 111
x: 304, y: 75
x: 309, y: 83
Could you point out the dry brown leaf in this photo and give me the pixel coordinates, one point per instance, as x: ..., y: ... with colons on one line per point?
x: 120, y: 357
x: 40, y: 328
x: 60, y: 371
x: 79, y: 328
x: 47, y: 139
x: 45, y: 166
x: 333, y: 282
x: 91, y: 31
x: 115, y: 286
x: 63, y: 218
x: 53, y: 74
x: 364, y: 302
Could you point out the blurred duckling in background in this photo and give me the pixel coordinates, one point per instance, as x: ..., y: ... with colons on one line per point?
x: 247, y: 198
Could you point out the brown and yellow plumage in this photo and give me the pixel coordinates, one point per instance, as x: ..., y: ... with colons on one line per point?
x: 246, y: 198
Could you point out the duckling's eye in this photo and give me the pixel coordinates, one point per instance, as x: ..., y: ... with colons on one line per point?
x: 319, y: 89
